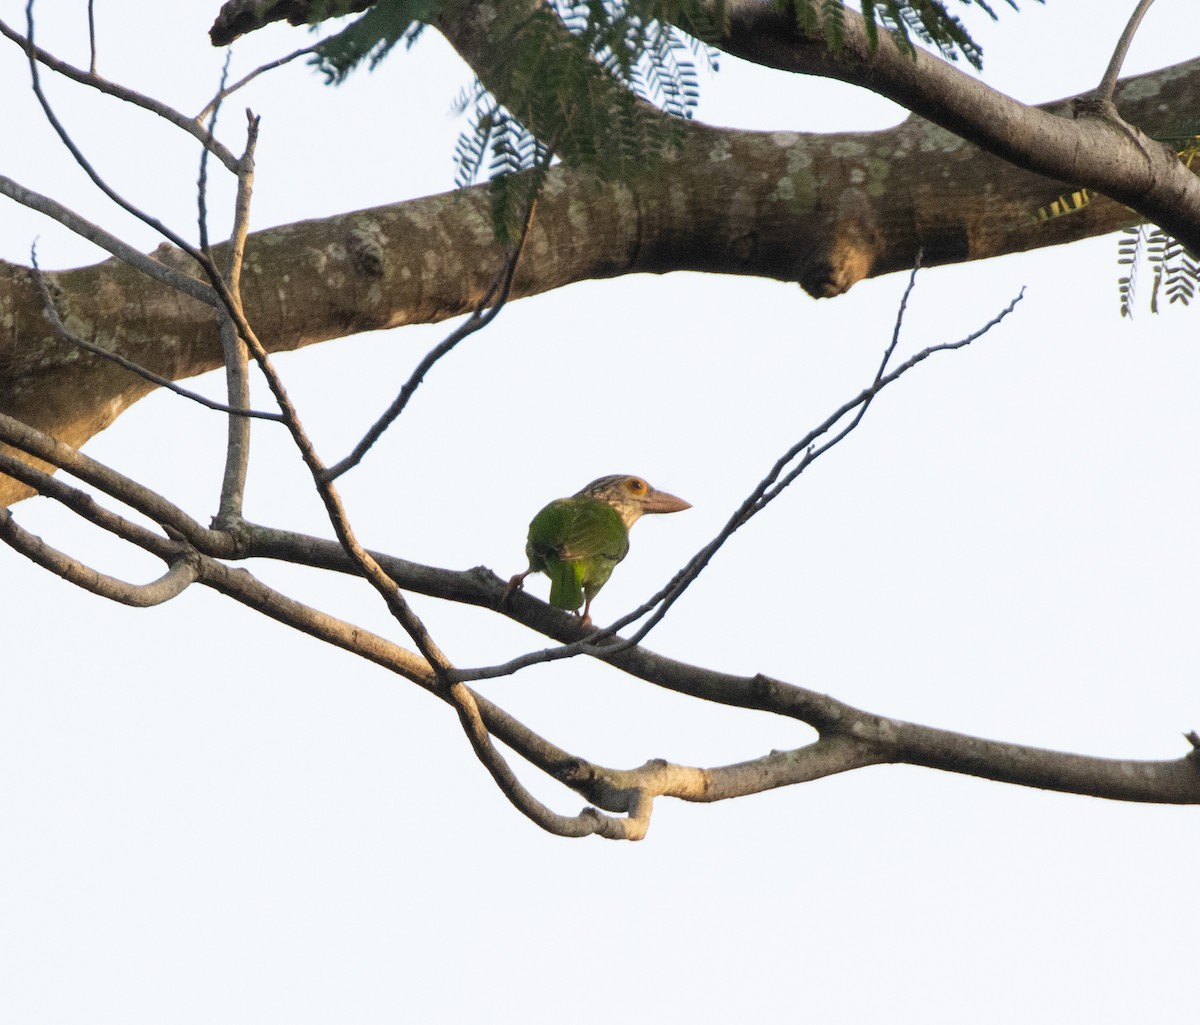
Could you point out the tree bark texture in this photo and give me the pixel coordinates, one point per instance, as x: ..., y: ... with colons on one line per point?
x: 823, y: 210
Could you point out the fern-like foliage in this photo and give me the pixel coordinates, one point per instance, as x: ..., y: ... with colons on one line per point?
x: 496, y: 142
x: 620, y: 53
x: 1176, y: 272
x: 909, y: 22
x: 1131, y: 249
x: 585, y: 91
x: 371, y: 37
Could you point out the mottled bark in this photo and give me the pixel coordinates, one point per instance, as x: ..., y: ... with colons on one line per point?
x: 824, y: 211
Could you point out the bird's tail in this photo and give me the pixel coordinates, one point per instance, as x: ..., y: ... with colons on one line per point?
x: 566, y: 585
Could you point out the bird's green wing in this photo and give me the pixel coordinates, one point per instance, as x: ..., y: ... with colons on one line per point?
x: 576, y: 542
x: 580, y: 528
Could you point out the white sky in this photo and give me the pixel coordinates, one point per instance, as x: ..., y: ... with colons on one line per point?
x: 207, y: 818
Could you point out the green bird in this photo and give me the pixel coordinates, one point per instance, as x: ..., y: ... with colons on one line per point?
x: 577, y: 541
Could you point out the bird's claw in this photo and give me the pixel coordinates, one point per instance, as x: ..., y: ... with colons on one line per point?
x: 516, y: 583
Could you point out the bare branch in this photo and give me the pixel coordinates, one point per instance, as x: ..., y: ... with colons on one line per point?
x: 241, y: 209
x: 81, y: 160
x: 583, y: 646
x: 237, y: 377
x: 1108, y: 83
x: 237, y: 434
x: 850, y: 738
x: 893, y: 740
x: 182, y: 572
x: 767, y: 490
x: 224, y: 93
x: 86, y: 507
x: 587, y: 822
x: 91, y: 16
x: 202, y: 182
x: 100, y: 84
x: 124, y: 252
x: 149, y: 503
x: 495, y: 297
x: 773, y: 485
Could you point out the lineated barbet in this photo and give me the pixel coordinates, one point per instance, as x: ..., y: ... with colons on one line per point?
x: 577, y: 541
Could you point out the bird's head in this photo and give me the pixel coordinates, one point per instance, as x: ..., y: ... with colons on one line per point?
x: 631, y: 497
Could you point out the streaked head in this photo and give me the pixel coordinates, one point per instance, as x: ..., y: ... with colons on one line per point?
x: 631, y: 497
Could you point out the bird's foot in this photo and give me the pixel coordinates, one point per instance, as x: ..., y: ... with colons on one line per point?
x: 514, y: 584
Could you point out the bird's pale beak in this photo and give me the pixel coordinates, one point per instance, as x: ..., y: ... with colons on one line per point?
x: 661, y: 502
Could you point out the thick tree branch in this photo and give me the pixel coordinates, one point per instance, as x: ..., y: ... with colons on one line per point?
x: 825, y: 211
x: 1091, y: 150
x: 240, y: 17
x: 822, y: 210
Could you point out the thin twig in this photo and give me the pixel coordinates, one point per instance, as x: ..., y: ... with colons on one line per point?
x: 241, y: 207
x: 1103, y: 95
x: 124, y: 252
x: 772, y: 486
x: 496, y: 296
x: 181, y: 574
x: 901, y: 310
x: 83, y: 162
x: 91, y: 15
x: 120, y: 92
x: 202, y: 181
x: 66, y: 334
x: 584, y: 646
x: 269, y: 66
x: 601, y: 643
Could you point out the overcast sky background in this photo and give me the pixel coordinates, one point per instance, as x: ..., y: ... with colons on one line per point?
x: 205, y: 817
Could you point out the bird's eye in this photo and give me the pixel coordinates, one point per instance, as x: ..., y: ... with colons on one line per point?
x: 636, y: 485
